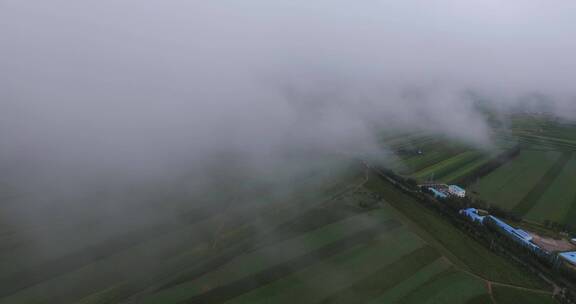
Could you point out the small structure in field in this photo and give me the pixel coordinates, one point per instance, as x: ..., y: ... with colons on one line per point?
x: 456, y: 191
x: 444, y: 191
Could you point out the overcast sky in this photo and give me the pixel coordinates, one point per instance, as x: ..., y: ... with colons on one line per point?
x: 129, y: 88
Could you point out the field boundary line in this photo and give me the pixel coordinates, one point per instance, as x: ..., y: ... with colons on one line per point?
x: 537, y: 191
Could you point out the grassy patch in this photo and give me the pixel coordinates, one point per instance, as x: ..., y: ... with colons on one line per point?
x: 509, y: 184
x: 508, y: 295
x: 269, y: 275
x: 464, y: 170
x: 403, y: 288
x: 446, y: 167
x: 151, y: 255
x: 450, y: 286
x: 534, y: 195
x: 558, y: 199
x: 434, y: 155
x: 250, y: 263
x: 335, y: 273
x: 385, y: 278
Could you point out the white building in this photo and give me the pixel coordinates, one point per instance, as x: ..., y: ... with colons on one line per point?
x: 456, y: 191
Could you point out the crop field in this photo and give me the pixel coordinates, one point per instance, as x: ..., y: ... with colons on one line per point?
x: 358, y: 240
x: 379, y: 256
x: 543, y: 133
x: 457, y: 174
x: 434, y: 158
x: 416, y: 289
x: 525, y: 185
x: 558, y: 202
x: 434, y: 154
x: 538, y: 184
x: 509, y: 184
x: 448, y: 168
x: 390, y: 261
x: 507, y: 295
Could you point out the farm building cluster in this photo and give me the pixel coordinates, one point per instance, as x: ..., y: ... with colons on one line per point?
x: 445, y: 191
x: 554, y: 251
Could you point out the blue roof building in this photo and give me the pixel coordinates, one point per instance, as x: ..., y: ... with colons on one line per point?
x: 570, y: 257
x: 472, y: 214
x: 438, y: 194
x: 518, y: 235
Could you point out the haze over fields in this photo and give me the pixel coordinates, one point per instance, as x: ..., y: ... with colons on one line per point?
x: 97, y: 97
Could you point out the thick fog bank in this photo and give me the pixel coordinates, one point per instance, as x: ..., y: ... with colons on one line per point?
x: 97, y: 97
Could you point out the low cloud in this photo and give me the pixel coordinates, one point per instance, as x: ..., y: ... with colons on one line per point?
x: 102, y: 95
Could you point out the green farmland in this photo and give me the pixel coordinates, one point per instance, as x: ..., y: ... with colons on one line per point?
x: 558, y: 202
x: 538, y: 184
x: 356, y: 239
x: 509, y: 184
x: 387, y: 259
x: 448, y: 169
x: 427, y: 157
x: 507, y: 295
